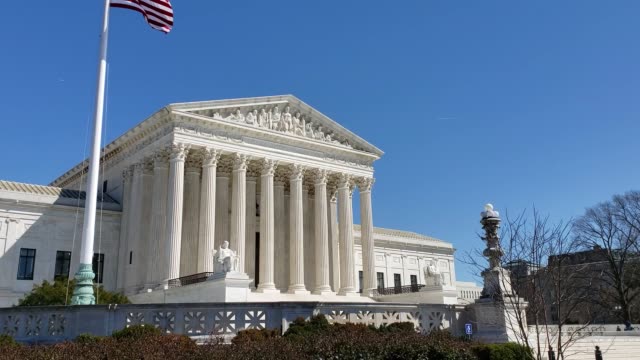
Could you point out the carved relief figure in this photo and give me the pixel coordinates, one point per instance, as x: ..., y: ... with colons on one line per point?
x: 252, y: 117
x: 275, y: 118
x: 309, y: 130
x: 225, y: 260
x: 286, y: 122
x: 263, y: 118
x: 298, y: 124
x: 319, y: 135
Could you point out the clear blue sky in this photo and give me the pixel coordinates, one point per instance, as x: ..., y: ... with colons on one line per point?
x: 512, y: 102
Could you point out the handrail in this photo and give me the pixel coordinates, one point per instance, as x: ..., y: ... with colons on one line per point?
x: 398, y: 290
x: 189, y: 279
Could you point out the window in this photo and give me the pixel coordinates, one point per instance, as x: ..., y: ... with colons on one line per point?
x: 26, y: 264
x: 63, y: 263
x: 98, y: 267
x: 104, y: 186
x: 360, y: 280
x: 130, y: 257
x: 397, y: 281
x: 414, y: 283
x: 380, y: 280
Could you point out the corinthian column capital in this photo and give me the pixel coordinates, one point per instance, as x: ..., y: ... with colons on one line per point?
x: 240, y: 162
x: 177, y: 152
x: 268, y: 167
x: 210, y: 157
x: 321, y: 177
x: 365, y: 183
x: 297, y: 172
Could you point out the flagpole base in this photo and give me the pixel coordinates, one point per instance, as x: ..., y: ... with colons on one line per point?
x: 83, y: 291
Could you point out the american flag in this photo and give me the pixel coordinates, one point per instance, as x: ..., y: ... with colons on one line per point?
x: 158, y: 13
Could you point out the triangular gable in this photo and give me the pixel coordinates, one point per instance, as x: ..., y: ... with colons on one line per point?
x: 286, y: 114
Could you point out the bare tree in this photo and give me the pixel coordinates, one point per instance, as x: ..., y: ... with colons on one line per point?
x: 612, y: 229
x: 554, y: 293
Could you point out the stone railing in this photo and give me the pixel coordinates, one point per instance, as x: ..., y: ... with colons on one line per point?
x: 57, y: 323
x: 588, y: 330
x: 397, y: 290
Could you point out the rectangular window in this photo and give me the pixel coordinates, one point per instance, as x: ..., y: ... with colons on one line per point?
x: 397, y: 281
x: 414, y: 283
x: 98, y: 267
x: 380, y: 276
x: 130, y: 257
x: 26, y: 264
x: 360, y: 280
x: 104, y: 186
x: 63, y: 263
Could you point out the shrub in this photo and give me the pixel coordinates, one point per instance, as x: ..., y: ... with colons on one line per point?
x: 507, y: 351
x: 136, y: 332
x: 57, y: 293
x: 7, y: 341
x: 88, y: 339
x: 255, y: 335
x: 399, y: 327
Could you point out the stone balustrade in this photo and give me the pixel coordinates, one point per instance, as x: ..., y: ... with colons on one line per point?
x: 58, y: 323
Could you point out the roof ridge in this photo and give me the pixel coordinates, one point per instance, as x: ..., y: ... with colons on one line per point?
x: 49, y: 190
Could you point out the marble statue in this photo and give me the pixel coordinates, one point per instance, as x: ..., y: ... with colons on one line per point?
x: 275, y: 118
x: 225, y: 260
x: 298, y: 124
x: 263, y: 118
x: 286, y: 122
x: 252, y: 117
x: 319, y: 135
x: 236, y: 116
x: 432, y: 275
x: 309, y: 130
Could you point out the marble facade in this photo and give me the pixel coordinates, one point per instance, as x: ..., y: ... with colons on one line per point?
x: 272, y: 176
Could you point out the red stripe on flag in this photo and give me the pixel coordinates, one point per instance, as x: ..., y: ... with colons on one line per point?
x: 157, y: 13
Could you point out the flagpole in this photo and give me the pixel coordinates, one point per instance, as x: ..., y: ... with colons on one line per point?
x: 83, y: 291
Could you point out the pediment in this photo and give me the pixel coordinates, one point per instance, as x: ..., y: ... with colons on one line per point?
x: 283, y: 114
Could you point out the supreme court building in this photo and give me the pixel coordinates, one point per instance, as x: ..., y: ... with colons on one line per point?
x: 271, y: 175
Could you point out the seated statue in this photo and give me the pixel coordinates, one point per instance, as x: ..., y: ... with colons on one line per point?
x: 432, y: 275
x: 225, y: 260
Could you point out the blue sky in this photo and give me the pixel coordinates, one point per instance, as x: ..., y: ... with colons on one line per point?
x: 518, y: 103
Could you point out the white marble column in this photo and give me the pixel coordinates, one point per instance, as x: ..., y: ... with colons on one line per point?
x: 123, y: 256
x: 347, y: 270
x: 191, y: 215
x: 250, y: 226
x: 296, y: 233
x: 135, y: 225
x: 367, y: 240
x: 333, y: 239
x: 143, y: 257
x: 158, y: 218
x: 279, y: 231
x: 222, y: 203
x: 238, y: 209
x: 175, y: 191
x: 322, y: 235
x: 207, y: 223
x: 308, y: 247
x: 267, y: 259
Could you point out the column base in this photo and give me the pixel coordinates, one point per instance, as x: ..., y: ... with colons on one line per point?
x: 323, y: 290
x: 83, y: 291
x: 348, y: 292
x: 267, y: 289
x: 298, y: 290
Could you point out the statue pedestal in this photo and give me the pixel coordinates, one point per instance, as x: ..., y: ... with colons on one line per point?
x: 228, y: 287
x: 497, y: 321
x: 496, y: 282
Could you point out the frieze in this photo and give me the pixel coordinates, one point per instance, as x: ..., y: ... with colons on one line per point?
x: 288, y: 121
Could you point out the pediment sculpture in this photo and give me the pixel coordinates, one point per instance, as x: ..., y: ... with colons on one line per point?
x: 224, y: 259
x: 289, y: 121
x: 432, y: 276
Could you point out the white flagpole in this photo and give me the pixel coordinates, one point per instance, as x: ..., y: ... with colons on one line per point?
x: 83, y: 292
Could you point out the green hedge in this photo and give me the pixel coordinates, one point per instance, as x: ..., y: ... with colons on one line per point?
x: 508, y: 351
x: 314, y: 339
